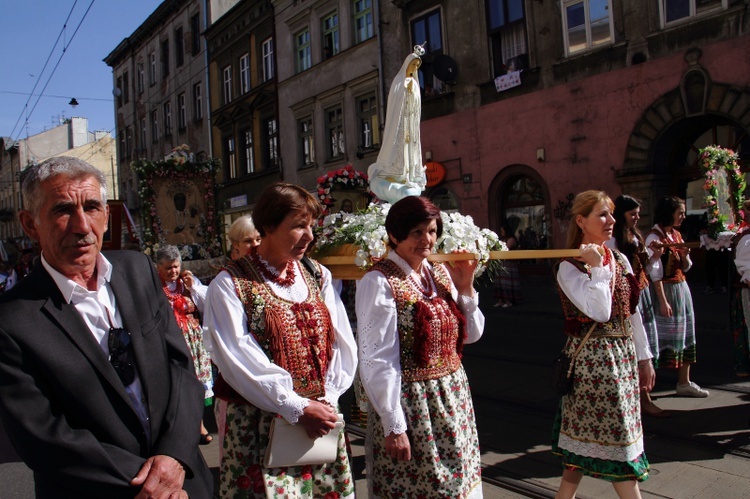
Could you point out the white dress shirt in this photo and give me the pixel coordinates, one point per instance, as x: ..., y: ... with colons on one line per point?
x: 98, y: 310
x: 655, y: 268
x: 742, y: 259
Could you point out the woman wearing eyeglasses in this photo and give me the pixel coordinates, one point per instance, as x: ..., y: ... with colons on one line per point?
x: 279, y: 334
x: 187, y: 294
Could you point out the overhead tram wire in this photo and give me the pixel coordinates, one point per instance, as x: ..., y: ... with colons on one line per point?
x: 59, y: 60
x: 38, y: 79
x: 55, y: 96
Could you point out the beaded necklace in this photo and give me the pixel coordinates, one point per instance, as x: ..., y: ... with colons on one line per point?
x: 425, y: 284
x: 271, y: 274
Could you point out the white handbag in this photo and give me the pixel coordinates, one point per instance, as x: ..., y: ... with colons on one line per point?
x: 289, y: 445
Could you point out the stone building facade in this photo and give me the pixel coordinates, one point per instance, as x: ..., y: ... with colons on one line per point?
x: 161, y: 90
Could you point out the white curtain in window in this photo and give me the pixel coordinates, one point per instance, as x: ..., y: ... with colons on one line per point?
x: 513, y: 41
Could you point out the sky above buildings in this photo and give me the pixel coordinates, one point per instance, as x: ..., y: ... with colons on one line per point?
x: 60, y: 44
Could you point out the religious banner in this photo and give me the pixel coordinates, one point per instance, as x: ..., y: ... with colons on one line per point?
x: 177, y: 205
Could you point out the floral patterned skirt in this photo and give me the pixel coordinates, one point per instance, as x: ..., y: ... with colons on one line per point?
x: 242, y: 475
x: 193, y: 334
x: 444, y: 444
x: 648, y: 317
x: 598, y: 426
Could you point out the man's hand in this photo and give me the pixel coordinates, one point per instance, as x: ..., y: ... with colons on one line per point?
x: 160, y: 477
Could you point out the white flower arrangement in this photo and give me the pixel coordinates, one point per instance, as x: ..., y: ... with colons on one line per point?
x: 366, y: 229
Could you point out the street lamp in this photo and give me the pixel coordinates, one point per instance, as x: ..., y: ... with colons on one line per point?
x: 73, y: 102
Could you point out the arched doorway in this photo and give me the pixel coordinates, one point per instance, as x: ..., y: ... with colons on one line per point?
x: 521, y: 199
x: 662, y: 157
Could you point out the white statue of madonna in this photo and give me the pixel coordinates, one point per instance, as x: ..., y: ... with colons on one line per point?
x: 398, y: 172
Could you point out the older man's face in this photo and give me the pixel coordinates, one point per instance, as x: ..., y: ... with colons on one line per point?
x: 70, y: 225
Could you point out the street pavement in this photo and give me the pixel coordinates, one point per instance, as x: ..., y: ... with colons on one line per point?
x: 701, y: 451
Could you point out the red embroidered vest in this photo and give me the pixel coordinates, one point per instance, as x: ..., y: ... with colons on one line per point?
x: 431, y: 330
x: 624, y: 301
x: 184, y: 308
x: 670, y: 259
x: 297, y: 336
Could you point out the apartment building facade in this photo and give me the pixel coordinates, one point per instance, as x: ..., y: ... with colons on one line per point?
x: 161, y: 90
x: 243, y: 103
x: 69, y: 138
x: 526, y: 103
x: 329, y: 89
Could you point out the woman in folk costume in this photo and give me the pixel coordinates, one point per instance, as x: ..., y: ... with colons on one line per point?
x: 283, y: 345
x: 740, y: 304
x: 598, y: 428
x: 187, y: 294
x: 629, y: 241
x: 675, y: 319
x: 398, y: 172
x: 413, y: 319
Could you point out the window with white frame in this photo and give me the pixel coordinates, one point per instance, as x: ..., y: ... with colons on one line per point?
x: 363, y: 23
x: 197, y: 102
x: 125, y: 87
x: 678, y: 10
x: 268, y: 66
x: 306, y: 141
x: 141, y: 78
x: 367, y: 117
x: 227, y: 86
x: 272, y: 143
x: 249, y: 154
x: 152, y: 68
x: 167, y: 118
x: 128, y: 141
x: 165, y: 58
x: 244, y: 74
x: 195, y: 34
x: 182, y: 111
x: 230, y: 158
x: 427, y: 29
x: 303, y: 50
x: 120, y: 93
x: 330, y: 35
x: 123, y: 146
x: 335, y: 132
x: 154, y: 126
x: 507, y: 29
x: 179, y: 47
x: 142, y: 143
x: 587, y: 24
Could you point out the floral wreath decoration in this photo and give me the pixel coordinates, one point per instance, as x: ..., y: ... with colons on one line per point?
x: 346, y: 178
x: 365, y: 229
x: 713, y: 160
x: 180, y: 164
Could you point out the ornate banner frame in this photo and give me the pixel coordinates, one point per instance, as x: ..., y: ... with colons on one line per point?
x: 723, y: 178
x: 178, y: 206
x: 337, y: 187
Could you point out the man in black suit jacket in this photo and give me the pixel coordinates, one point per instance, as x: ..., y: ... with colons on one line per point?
x: 97, y: 388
